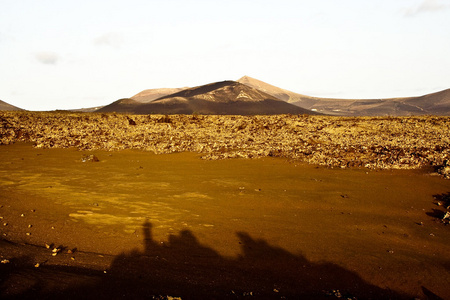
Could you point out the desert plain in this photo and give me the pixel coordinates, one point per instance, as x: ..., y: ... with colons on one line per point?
x: 221, y: 207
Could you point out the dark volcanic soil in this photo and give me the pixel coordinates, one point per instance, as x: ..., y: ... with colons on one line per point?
x: 140, y: 225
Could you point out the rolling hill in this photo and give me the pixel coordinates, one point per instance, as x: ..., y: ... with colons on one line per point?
x: 430, y: 104
x: 220, y: 98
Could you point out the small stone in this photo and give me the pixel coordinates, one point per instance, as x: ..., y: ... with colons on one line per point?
x: 90, y: 158
x: 446, y: 216
x: 37, y: 265
x: 5, y: 224
x: 69, y: 251
x: 47, y: 246
x: 54, y: 254
x: 72, y: 258
x: 22, y: 215
x: 56, y: 250
x: 29, y: 226
x: 28, y: 233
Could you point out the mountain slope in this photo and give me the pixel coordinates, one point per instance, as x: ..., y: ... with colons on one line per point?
x: 7, y: 106
x: 221, y: 98
x: 152, y: 94
x: 431, y: 104
x: 435, y: 103
x: 277, y: 92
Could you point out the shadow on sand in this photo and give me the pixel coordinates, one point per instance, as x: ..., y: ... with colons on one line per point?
x: 184, y: 268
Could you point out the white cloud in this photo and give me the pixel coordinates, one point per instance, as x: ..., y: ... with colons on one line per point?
x: 427, y: 6
x: 111, y: 39
x: 47, y: 58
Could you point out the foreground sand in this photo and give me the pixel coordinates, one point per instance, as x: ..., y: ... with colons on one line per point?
x: 138, y: 225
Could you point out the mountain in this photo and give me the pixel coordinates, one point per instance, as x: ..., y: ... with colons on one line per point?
x: 7, y: 106
x: 435, y: 103
x: 277, y: 92
x: 221, y: 98
x: 152, y: 94
x: 431, y: 104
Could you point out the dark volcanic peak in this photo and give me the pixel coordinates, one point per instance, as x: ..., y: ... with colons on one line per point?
x: 224, y: 91
x: 7, y: 106
x: 218, y: 98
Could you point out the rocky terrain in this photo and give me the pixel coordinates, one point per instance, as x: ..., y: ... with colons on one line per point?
x: 385, y: 143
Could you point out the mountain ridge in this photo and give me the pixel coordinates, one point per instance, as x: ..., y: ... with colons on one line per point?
x: 437, y: 103
x: 221, y: 98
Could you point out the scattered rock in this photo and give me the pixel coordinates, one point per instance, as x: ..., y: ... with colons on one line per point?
x: 5, y: 261
x: 370, y: 142
x: 90, y: 158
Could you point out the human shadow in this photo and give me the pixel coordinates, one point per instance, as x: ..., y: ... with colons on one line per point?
x: 183, y: 267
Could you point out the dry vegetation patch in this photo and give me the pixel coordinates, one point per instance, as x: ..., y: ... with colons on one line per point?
x: 380, y: 142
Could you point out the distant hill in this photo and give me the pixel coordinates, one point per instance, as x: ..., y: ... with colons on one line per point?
x: 431, y: 104
x: 221, y: 98
x: 7, y: 106
x: 86, y: 110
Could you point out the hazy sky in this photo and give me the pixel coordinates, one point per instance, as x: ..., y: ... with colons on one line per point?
x: 59, y: 54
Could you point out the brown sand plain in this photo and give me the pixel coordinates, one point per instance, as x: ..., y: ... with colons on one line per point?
x: 139, y: 225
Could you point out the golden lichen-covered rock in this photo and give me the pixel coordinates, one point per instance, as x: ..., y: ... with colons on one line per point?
x: 371, y: 142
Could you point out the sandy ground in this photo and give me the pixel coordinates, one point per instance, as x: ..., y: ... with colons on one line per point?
x: 139, y: 225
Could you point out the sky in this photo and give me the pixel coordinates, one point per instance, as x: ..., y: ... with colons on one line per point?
x: 61, y: 54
